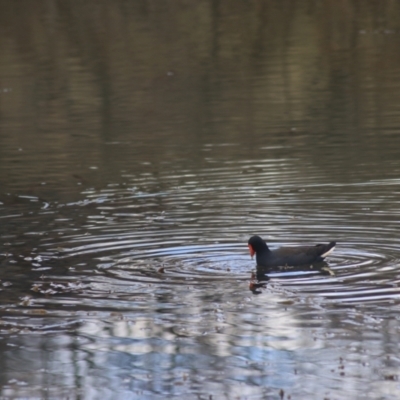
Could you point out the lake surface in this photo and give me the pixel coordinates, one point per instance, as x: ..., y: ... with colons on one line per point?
x: 142, y: 144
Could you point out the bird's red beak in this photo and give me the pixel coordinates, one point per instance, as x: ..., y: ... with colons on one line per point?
x: 251, y: 250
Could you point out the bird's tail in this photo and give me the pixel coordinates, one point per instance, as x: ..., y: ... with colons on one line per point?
x: 327, y: 249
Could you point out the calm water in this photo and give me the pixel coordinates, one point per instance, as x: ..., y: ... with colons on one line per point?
x: 142, y: 144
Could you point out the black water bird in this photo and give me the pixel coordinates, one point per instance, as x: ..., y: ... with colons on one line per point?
x: 287, y: 256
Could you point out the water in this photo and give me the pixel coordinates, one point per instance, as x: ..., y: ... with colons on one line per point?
x: 136, y: 162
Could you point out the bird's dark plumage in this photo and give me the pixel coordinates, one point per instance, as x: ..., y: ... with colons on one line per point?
x: 287, y: 256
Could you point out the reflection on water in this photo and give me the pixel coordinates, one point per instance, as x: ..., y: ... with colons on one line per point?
x: 142, y: 145
x: 149, y: 289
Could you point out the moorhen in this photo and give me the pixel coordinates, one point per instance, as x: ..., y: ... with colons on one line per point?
x: 287, y: 256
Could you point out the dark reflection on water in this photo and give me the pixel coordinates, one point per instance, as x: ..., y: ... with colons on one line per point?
x: 142, y: 144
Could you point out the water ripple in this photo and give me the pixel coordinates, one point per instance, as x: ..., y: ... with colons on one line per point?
x: 175, y: 223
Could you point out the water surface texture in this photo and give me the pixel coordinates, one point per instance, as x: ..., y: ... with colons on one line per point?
x: 143, y: 143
